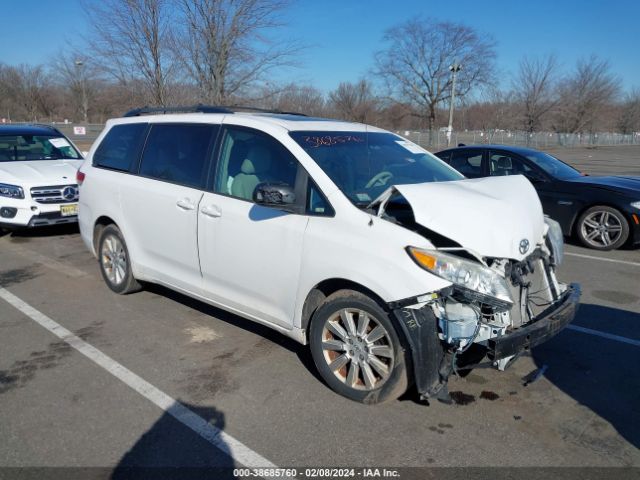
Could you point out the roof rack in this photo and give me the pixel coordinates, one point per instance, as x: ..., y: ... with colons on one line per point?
x: 240, y: 108
x: 43, y: 125
x: 136, y: 112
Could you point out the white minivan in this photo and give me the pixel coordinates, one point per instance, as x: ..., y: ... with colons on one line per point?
x: 389, y: 264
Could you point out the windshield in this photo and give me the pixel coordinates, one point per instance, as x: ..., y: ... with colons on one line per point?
x: 554, y: 167
x: 364, y: 164
x: 16, y: 148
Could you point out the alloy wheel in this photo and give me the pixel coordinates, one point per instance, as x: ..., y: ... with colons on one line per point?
x: 114, y: 259
x: 357, y: 349
x: 601, y: 228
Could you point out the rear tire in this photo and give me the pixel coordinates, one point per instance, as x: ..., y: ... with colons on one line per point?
x: 357, y: 349
x: 115, y: 263
x: 602, y: 228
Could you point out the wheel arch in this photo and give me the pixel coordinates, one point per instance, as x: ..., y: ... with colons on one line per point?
x: 98, y: 226
x: 319, y: 293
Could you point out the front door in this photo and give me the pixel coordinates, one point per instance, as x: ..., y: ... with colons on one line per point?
x: 250, y: 255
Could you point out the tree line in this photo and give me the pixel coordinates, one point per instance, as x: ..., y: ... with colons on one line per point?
x: 226, y: 52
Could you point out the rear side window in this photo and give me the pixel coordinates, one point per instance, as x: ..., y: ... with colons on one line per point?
x: 443, y: 156
x: 178, y: 153
x: 467, y: 162
x: 120, y: 147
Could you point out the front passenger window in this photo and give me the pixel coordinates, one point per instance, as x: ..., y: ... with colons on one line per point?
x: 501, y: 164
x: 248, y: 158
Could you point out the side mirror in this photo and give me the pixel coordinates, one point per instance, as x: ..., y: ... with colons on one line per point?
x: 274, y: 195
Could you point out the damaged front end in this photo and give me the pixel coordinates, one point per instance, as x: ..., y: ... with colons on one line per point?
x: 444, y: 326
x: 501, y: 302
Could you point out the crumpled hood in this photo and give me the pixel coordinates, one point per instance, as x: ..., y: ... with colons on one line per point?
x: 490, y: 216
x: 39, y: 172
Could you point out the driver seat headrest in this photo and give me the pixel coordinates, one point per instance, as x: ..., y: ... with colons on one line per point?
x: 258, y: 161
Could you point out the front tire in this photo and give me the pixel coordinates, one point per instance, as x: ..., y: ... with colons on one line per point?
x: 115, y: 263
x: 357, y: 349
x: 602, y: 228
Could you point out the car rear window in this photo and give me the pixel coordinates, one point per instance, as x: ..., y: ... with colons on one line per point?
x: 121, y: 146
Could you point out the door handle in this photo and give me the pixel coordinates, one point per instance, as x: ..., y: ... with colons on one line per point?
x: 185, y: 204
x: 211, y: 211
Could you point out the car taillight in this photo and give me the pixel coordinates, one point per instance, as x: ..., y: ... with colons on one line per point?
x: 80, y: 177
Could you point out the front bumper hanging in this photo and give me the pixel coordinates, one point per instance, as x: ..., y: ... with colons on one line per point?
x: 547, y: 325
x: 432, y: 362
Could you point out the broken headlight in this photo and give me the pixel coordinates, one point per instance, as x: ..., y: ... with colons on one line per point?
x: 474, y: 281
x: 556, y: 240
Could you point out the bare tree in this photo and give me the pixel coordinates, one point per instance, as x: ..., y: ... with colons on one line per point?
x: 535, y: 90
x: 492, y: 113
x: 584, y: 95
x: 25, y: 84
x: 354, y: 101
x: 291, y: 98
x: 225, y: 47
x: 133, y: 39
x: 629, y: 116
x: 80, y: 76
x: 415, y: 66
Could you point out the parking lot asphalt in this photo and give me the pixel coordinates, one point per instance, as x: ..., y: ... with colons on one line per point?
x: 59, y: 407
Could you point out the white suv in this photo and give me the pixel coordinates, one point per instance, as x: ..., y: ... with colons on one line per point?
x: 348, y: 238
x: 38, y: 166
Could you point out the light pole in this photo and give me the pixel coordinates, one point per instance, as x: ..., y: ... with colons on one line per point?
x: 83, y: 89
x: 455, y: 68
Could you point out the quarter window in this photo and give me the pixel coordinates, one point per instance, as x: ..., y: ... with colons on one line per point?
x: 467, y: 162
x: 247, y: 158
x: 316, y: 203
x: 120, y: 147
x: 177, y: 153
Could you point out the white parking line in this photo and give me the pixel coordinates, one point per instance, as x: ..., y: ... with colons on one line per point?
x: 610, y: 260
x: 223, y: 441
x: 609, y: 336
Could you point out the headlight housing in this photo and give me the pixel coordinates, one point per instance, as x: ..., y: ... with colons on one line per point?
x: 473, y: 280
x: 636, y: 204
x: 556, y: 240
x: 11, y: 191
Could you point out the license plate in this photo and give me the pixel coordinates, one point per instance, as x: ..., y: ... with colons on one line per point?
x: 69, y: 210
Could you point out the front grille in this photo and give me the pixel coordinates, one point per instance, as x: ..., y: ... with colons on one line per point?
x: 55, y: 194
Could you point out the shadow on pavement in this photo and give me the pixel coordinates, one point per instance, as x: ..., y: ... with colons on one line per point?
x: 599, y: 373
x: 303, y: 352
x: 170, y: 450
x: 52, y: 231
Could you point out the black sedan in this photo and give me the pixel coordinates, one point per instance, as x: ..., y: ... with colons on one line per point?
x: 602, y: 212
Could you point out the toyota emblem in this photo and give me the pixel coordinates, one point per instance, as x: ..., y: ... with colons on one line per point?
x: 70, y: 193
x: 524, y: 246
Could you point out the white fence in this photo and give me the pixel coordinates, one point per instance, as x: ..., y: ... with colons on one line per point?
x: 540, y: 140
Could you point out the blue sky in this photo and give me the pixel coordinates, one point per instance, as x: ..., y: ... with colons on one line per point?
x: 343, y: 34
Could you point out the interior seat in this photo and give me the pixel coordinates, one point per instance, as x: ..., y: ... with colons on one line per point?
x: 254, y: 170
x: 503, y: 166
